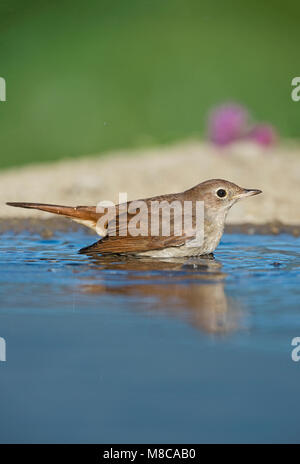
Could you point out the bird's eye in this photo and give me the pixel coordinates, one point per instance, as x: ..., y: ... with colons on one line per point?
x: 221, y: 193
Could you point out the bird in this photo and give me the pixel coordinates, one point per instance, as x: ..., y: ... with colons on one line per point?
x: 161, y: 228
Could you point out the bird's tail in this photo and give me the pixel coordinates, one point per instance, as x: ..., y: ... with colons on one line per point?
x: 86, y: 215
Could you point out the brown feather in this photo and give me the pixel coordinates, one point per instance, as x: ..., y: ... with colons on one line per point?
x: 115, y: 242
x: 82, y: 214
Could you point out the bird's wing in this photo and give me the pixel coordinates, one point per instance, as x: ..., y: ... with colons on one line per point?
x: 132, y: 244
x: 142, y: 228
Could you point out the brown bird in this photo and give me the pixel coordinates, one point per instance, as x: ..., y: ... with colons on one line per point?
x: 161, y: 226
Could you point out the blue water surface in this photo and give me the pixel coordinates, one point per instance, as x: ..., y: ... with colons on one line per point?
x: 110, y: 349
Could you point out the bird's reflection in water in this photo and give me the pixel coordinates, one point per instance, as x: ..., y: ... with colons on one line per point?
x: 188, y: 288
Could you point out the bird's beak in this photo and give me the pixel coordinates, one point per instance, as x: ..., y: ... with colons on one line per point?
x: 248, y: 193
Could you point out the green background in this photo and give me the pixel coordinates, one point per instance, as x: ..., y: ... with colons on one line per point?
x: 87, y: 77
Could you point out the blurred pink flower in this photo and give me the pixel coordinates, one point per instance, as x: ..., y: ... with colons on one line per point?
x: 228, y: 123
x: 263, y: 134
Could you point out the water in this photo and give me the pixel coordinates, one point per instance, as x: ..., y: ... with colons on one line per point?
x: 128, y: 350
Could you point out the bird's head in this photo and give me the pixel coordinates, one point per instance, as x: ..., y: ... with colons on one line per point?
x: 220, y: 195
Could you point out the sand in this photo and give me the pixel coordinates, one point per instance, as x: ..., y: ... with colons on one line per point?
x: 146, y: 172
